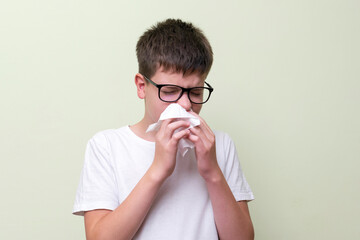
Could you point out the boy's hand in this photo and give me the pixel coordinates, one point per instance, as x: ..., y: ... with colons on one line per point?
x: 166, y: 145
x: 204, y: 140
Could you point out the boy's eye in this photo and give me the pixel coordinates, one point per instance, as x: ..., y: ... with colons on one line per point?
x: 170, y: 90
x: 197, y: 92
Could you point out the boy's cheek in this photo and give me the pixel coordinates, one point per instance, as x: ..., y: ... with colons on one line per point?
x: 196, y: 108
x: 161, y: 107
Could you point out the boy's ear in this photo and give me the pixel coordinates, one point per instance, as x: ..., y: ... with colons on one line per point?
x: 140, y: 83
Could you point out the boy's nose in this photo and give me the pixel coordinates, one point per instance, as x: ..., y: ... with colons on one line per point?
x: 184, y: 101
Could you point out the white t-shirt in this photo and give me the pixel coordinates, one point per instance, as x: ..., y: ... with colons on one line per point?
x: 116, y: 160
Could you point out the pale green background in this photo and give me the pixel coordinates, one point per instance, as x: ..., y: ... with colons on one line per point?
x: 287, y: 89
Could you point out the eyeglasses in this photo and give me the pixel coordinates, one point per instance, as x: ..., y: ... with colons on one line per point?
x: 172, y: 93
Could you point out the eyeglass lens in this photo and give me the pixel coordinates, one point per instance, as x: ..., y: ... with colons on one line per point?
x: 172, y: 93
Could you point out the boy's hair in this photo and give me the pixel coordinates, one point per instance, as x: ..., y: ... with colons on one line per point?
x: 175, y: 46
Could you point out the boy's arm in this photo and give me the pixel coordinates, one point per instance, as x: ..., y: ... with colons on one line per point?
x: 232, y: 218
x: 126, y: 219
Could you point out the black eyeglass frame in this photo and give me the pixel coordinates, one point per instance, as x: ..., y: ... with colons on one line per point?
x: 159, y: 86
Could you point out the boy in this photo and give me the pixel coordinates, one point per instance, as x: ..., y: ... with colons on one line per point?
x: 136, y: 185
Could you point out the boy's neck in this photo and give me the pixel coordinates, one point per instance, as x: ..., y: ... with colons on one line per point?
x: 140, y: 130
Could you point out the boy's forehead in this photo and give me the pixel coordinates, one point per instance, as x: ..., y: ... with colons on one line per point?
x: 173, y: 72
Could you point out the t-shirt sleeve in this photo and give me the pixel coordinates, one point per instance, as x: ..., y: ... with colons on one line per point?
x: 230, y: 164
x: 97, y: 188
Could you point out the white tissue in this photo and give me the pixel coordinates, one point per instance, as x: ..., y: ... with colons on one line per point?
x: 177, y: 112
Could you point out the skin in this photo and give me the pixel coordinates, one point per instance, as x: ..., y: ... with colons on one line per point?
x: 232, y: 218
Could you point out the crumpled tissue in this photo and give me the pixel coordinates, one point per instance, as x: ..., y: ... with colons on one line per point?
x: 177, y: 112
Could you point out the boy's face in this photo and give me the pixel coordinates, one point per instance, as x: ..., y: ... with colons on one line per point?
x: 154, y: 106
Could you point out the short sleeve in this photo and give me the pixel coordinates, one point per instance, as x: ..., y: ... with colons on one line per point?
x: 230, y: 164
x: 97, y: 188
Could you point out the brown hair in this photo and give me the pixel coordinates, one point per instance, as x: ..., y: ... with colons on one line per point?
x: 174, y: 45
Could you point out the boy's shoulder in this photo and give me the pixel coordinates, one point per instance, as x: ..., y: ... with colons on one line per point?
x: 106, y: 135
x: 221, y: 135
x: 111, y: 131
x: 224, y: 141
x: 113, y: 137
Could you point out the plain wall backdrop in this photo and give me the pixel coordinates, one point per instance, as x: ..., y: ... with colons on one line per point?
x: 287, y: 90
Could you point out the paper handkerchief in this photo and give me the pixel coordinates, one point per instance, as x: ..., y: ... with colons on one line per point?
x: 175, y: 111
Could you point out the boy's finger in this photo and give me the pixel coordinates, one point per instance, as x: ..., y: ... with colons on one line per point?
x: 200, y: 135
x: 181, y: 134
x: 203, y: 125
x: 171, y: 125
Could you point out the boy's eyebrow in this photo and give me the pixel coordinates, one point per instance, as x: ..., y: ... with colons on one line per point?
x: 155, y: 84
